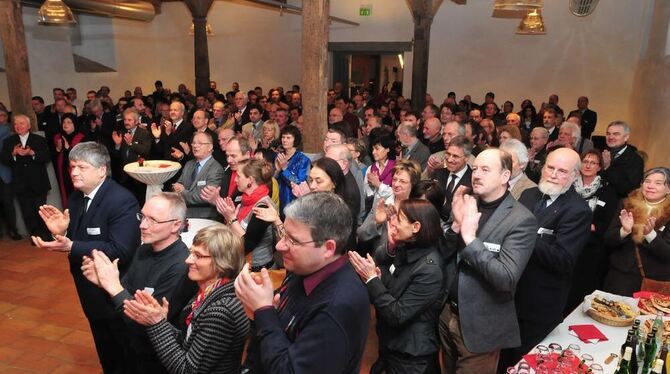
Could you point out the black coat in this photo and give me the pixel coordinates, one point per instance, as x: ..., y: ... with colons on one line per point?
x: 543, y: 289
x: 589, y: 119
x: 408, y: 301
x: 625, y: 172
x: 29, y: 174
x: 442, y: 176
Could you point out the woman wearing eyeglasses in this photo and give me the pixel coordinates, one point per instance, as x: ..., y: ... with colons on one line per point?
x: 406, y: 293
x: 216, y: 326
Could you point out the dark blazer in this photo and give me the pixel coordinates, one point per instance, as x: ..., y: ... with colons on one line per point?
x: 625, y: 172
x: 184, y: 133
x: 225, y: 183
x: 408, y: 302
x: 542, y: 293
x: 420, y: 153
x: 140, y: 147
x: 442, y: 176
x: 534, y: 168
x: 243, y: 119
x: 109, y: 225
x: 29, y: 174
x: 488, y: 275
x: 102, y: 134
x: 589, y: 120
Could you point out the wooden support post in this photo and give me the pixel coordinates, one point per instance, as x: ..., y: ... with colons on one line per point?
x: 314, y: 81
x: 199, y: 9
x: 422, y: 13
x: 16, y: 59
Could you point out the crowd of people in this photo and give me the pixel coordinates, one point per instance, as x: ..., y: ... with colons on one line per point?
x: 471, y: 230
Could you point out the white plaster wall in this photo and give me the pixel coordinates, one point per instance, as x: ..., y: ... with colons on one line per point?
x: 471, y: 52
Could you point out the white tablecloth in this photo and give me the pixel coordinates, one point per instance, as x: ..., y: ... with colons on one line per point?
x: 601, y: 350
x: 194, y: 225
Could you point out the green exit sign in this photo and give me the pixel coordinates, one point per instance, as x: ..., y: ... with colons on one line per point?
x: 365, y: 11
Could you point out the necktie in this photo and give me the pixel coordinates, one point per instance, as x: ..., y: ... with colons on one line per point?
x: 450, y: 186
x: 196, y: 170
x: 86, y: 201
x: 541, y: 205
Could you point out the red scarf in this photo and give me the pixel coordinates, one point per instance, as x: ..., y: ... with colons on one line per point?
x: 249, y: 200
x: 202, y: 295
x: 232, y: 186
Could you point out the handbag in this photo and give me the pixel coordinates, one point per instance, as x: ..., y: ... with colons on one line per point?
x: 648, y: 284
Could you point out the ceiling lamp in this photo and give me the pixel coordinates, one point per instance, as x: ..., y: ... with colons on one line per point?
x: 517, y: 5
x: 208, y: 29
x: 55, y: 12
x: 583, y: 8
x: 531, y: 24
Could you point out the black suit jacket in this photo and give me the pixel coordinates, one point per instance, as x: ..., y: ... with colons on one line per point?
x: 102, y: 134
x: 29, y: 174
x: 109, y: 225
x: 564, y: 229
x: 243, y: 120
x: 441, y: 176
x: 140, y: 147
x: 225, y: 183
x: 184, y: 133
x: 625, y: 172
x: 589, y: 120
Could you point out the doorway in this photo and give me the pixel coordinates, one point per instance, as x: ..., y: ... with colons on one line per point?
x: 368, y: 65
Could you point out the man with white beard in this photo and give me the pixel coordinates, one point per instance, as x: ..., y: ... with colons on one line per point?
x: 564, y: 221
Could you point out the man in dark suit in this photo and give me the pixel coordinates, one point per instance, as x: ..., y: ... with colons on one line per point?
x: 128, y: 148
x: 100, y: 125
x: 199, y: 126
x: 102, y: 216
x: 27, y: 154
x: 564, y: 221
x: 241, y: 114
x: 171, y: 133
x: 623, y: 167
x: 457, y: 172
x: 588, y: 117
x: 491, y: 240
x: 537, y: 152
x: 413, y: 149
x: 201, y: 171
x: 550, y: 122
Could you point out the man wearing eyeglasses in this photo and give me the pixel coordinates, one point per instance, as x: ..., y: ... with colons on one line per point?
x: 202, y: 171
x: 319, y: 321
x: 100, y: 215
x: 564, y: 221
x: 158, y: 267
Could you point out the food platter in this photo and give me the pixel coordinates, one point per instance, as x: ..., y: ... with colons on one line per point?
x: 610, y: 309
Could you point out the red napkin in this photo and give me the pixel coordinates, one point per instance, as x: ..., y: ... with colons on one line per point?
x: 587, y: 332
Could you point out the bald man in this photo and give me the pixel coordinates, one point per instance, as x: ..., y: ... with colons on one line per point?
x: 564, y: 221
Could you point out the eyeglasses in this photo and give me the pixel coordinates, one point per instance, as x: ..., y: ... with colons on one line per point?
x: 197, y: 255
x: 291, y: 242
x: 562, y: 173
x: 590, y: 162
x: 194, y: 144
x: 150, y: 221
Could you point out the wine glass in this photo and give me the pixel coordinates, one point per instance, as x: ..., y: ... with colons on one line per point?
x: 511, y: 370
x: 596, y: 368
x: 587, y: 359
x: 575, y: 349
x: 555, y: 348
x: 542, y: 352
x: 523, y: 368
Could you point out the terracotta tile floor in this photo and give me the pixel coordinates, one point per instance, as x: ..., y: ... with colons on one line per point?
x: 42, y: 326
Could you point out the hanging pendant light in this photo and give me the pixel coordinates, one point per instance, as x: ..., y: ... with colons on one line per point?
x: 55, y: 12
x: 583, y: 8
x: 517, y: 5
x: 208, y: 29
x: 531, y: 24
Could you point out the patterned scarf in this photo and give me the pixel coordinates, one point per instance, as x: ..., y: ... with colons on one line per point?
x: 200, y: 298
x: 588, y: 192
x: 249, y: 200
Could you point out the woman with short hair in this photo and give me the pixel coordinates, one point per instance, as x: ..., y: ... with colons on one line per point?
x: 216, y: 325
x: 407, y: 293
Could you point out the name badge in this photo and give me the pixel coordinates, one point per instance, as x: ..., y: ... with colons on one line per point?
x: 392, y: 269
x: 93, y: 230
x: 600, y: 203
x: 149, y: 290
x: 543, y: 231
x: 492, y: 247
x: 662, y: 228
x: 201, y: 183
x: 536, y: 161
